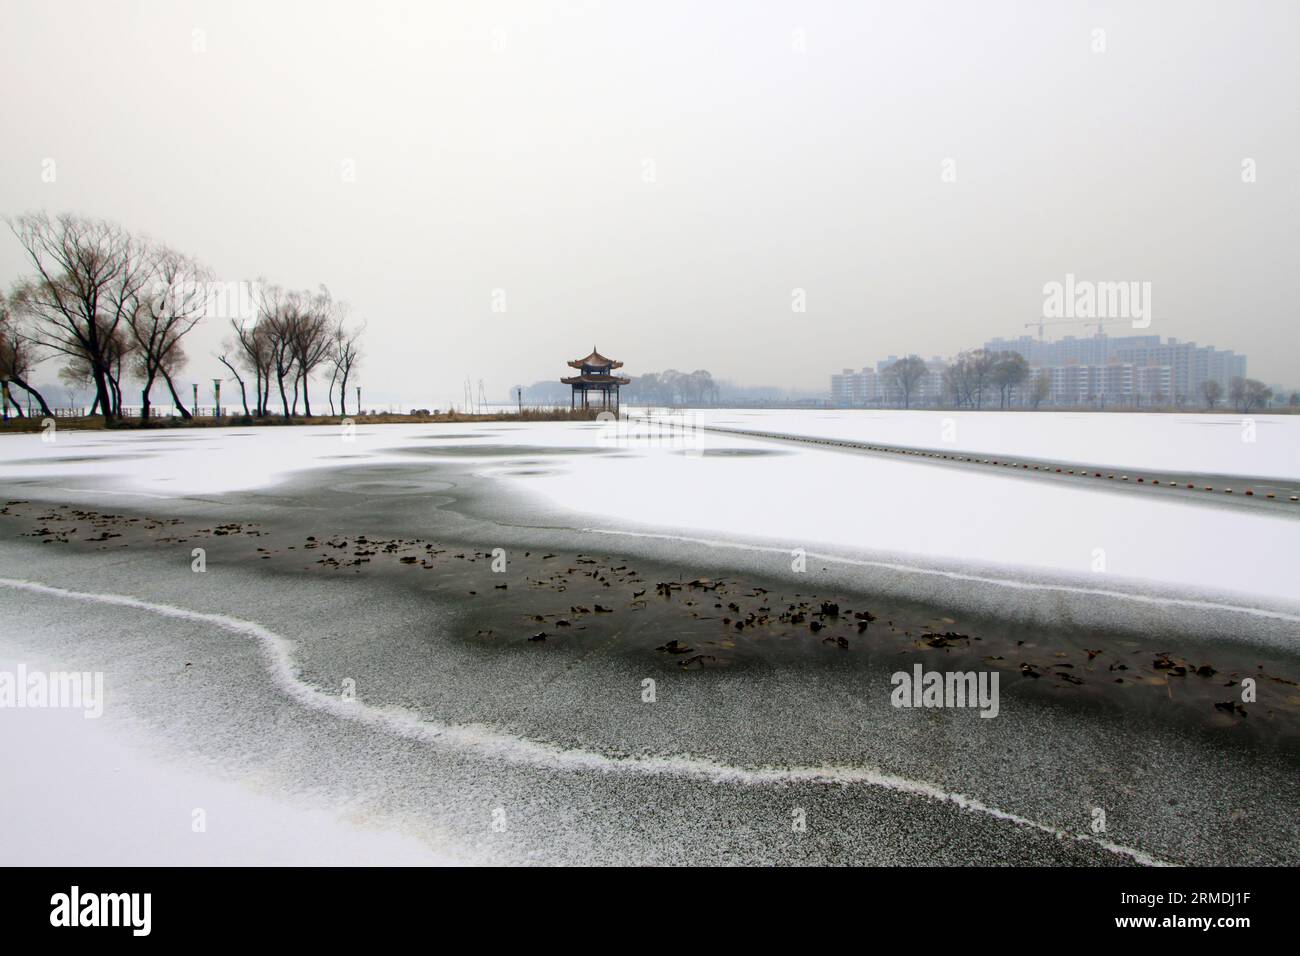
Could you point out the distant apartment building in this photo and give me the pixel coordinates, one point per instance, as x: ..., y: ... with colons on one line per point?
x: 1117, y: 383
x: 1131, y: 370
x: 855, y: 388
x: 1190, y: 365
x: 871, y: 386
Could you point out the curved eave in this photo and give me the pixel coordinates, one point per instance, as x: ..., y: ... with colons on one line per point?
x: 596, y: 380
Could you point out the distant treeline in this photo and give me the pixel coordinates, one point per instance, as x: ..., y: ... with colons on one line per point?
x: 669, y: 388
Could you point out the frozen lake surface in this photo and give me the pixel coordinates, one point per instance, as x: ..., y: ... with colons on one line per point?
x: 761, y: 493
x: 446, y: 729
x: 1226, y: 444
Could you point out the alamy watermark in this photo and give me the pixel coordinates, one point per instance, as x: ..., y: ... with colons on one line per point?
x: 675, y: 429
x: 210, y: 300
x: 66, y: 690
x: 130, y: 910
x: 923, y: 688
x: 1084, y: 299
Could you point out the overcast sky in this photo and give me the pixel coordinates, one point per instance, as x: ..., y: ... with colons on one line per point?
x: 658, y: 178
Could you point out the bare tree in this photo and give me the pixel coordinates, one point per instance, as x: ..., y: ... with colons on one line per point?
x: 257, y: 354
x: 645, y: 387
x: 1248, y: 393
x: 76, y: 375
x: 118, y: 349
x: 89, y: 273
x: 175, y: 302
x: 310, y: 339
x: 670, y: 387
x: 276, y: 320
x: 906, y: 375
x: 224, y: 359
x: 1009, y: 370
x: 969, y: 377
x: 170, y: 365
x: 1041, y: 389
x: 700, y: 382
x: 345, y: 354
x: 16, y: 359
x: 1212, y: 392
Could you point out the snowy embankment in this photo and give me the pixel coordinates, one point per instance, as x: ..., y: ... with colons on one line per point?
x: 1226, y: 444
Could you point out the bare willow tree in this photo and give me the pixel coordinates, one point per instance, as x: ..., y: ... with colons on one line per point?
x: 224, y: 359
x: 968, y: 377
x: 310, y: 338
x: 1009, y: 371
x: 905, y: 375
x: 89, y: 274
x: 78, y: 373
x: 345, y: 353
x: 254, y: 345
x: 699, y: 386
x: 17, y: 356
x: 277, y: 316
x: 119, y: 351
x: 1248, y: 393
x: 77, y: 378
x: 174, y: 303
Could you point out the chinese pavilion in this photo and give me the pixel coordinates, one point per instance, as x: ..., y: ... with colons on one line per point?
x: 595, y: 374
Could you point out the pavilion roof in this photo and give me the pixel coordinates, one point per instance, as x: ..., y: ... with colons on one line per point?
x: 595, y: 360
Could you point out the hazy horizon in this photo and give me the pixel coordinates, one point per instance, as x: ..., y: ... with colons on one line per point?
x: 660, y: 181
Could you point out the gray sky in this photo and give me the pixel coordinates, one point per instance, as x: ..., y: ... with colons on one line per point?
x: 790, y: 146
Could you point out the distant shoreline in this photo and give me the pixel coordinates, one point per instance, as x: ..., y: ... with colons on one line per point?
x: 35, y: 423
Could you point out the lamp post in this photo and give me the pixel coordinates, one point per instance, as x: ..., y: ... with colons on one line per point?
x: 358, y: 399
x: 4, y: 398
x: 196, y: 399
x: 216, y: 394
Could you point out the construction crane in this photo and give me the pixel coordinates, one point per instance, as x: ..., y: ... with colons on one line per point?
x: 1084, y: 322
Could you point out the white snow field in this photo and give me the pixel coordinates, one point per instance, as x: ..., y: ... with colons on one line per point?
x: 733, y: 489
x: 1227, y: 444
x: 102, y: 800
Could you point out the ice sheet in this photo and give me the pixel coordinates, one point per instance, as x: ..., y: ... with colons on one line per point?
x: 733, y: 488
x: 810, y: 498
x: 1255, y: 445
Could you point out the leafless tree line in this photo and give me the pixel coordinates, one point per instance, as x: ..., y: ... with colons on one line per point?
x: 673, y: 387
x: 1247, y: 394
x: 978, y: 372
x: 114, y: 306
x: 295, y: 334
x: 970, y: 379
